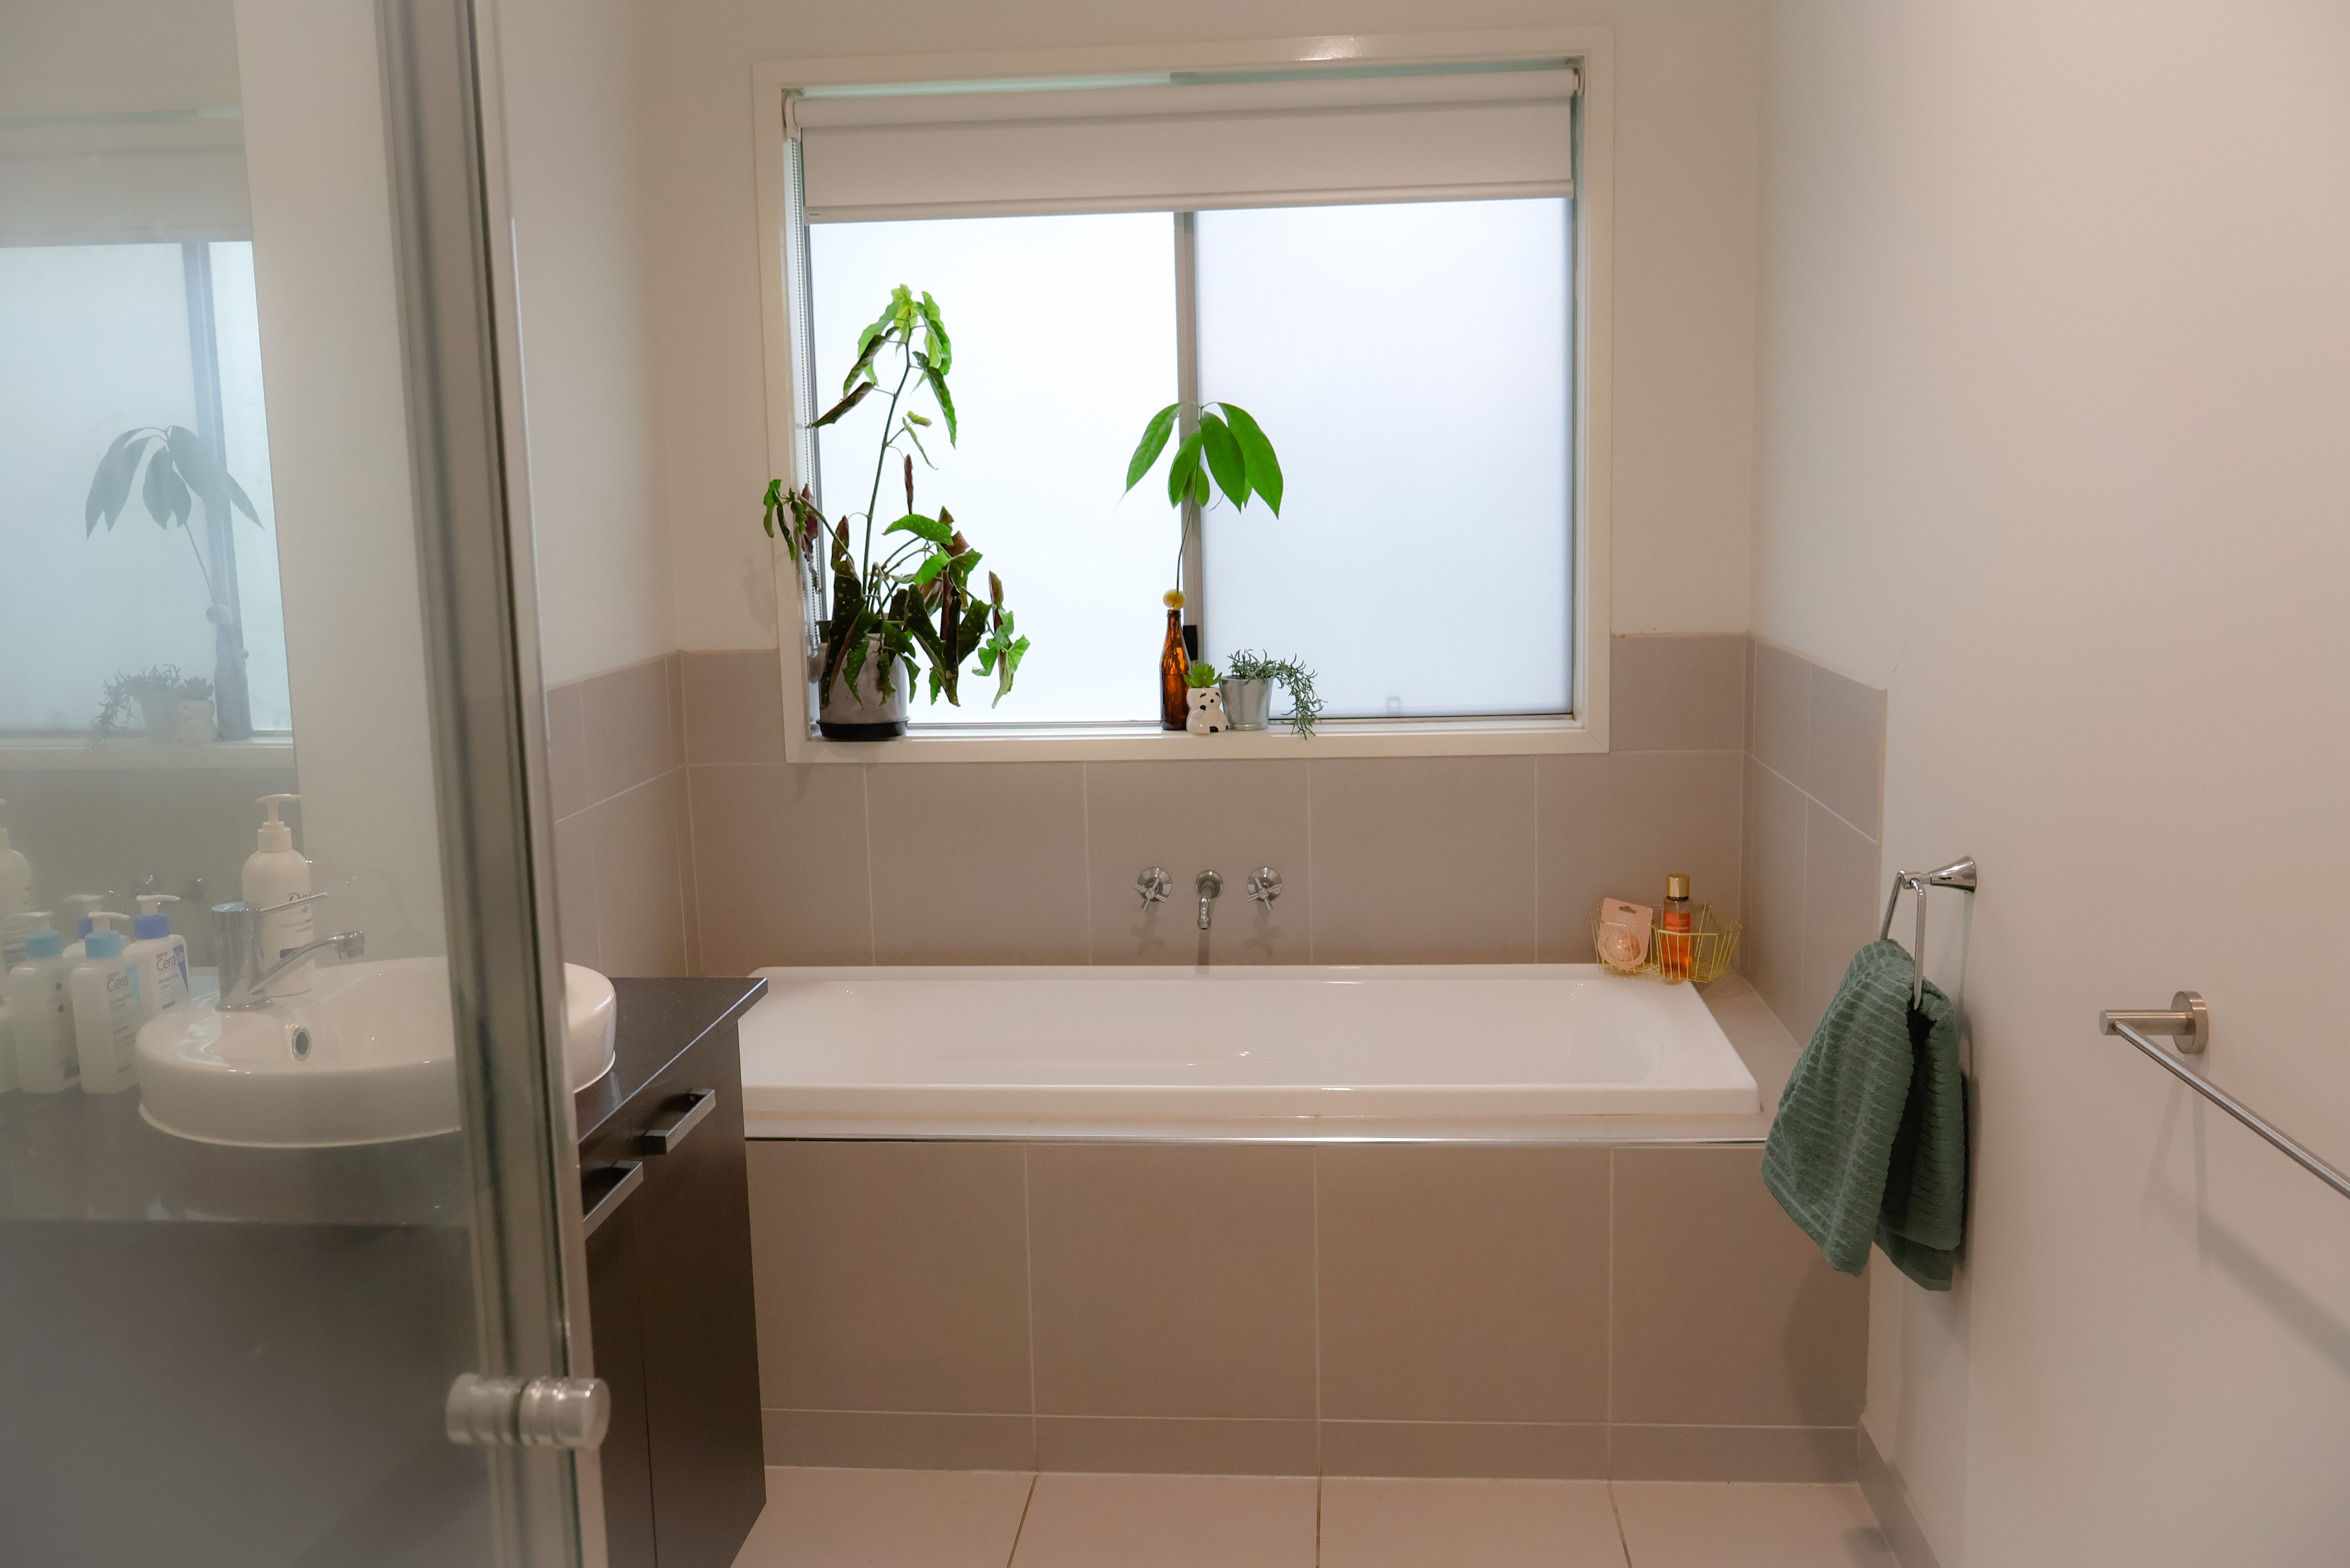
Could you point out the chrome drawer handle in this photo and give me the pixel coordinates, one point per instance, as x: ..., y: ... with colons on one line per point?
x: 665, y: 1140
x: 632, y: 1176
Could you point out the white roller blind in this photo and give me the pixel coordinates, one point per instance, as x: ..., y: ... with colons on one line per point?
x: 1181, y: 143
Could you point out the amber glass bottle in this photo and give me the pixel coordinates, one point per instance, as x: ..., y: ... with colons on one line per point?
x: 1174, y: 665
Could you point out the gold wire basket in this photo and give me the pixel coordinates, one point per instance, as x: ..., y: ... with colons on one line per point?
x: 1700, y: 955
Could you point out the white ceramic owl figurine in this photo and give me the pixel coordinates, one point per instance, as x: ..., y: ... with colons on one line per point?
x: 1207, y: 717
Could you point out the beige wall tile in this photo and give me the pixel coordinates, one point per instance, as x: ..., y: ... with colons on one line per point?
x: 566, y: 752
x: 1158, y: 1445
x: 1169, y: 1522
x: 734, y: 706
x: 625, y: 721
x: 1771, y: 890
x: 681, y: 807
x: 1783, y: 710
x: 1677, y: 693
x: 1753, y: 658
x: 1473, y: 1523
x: 1848, y: 748
x: 1424, y: 860
x: 575, y: 892
x: 1613, y: 826
x: 979, y: 863
x: 1840, y: 910
x: 900, y: 1518
x: 779, y: 871
x: 673, y: 671
x: 890, y: 1276
x: 1494, y: 1449
x: 1671, y: 1524
x: 1172, y: 1280
x: 1784, y: 1454
x: 895, y: 1440
x: 641, y: 879
x: 1464, y: 1284
x: 1725, y: 1313
x: 1190, y: 818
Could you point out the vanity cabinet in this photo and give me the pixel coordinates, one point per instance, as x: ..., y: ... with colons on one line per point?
x: 668, y: 1276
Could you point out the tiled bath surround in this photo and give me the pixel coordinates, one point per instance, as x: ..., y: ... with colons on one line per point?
x: 623, y: 838
x: 1424, y: 860
x: 1364, y: 1309
x: 1812, y: 877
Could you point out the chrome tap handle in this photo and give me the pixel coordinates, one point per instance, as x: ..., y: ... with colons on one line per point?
x: 1264, y: 886
x: 1154, y: 885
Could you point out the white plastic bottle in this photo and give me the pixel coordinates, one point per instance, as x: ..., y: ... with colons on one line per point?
x: 160, y: 956
x: 272, y: 874
x: 46, y: 1062
x: 107, y: 1011
x: 7, y: 1044
x: 16, y: 903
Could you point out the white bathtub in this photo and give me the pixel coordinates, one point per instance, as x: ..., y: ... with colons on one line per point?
x: 1156, y: 1051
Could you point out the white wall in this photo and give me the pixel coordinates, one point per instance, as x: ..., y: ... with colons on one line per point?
x: 1687, y: 85
x: 576, y: 141
x: 2055, y: 370
x: 339, y: 463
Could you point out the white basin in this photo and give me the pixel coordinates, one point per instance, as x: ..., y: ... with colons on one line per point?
x: 366, y: 1056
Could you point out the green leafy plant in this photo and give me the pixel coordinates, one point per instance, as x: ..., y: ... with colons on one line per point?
x: 1200, y: 675
x: 1226, y: 454
x: 156, y: 682
x: 915, y: 604
x: 1305, y: 703
x: 179, y: 473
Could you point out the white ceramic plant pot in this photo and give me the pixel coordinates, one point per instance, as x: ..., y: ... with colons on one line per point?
x: 1207, y: 715
x: 1248, y: 703
x: 861, y: 712
x: 196, y: 724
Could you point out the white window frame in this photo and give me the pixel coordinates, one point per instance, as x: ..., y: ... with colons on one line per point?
x: 1586, y: 729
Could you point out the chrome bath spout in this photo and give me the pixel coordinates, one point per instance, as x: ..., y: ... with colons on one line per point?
x: 1210, y: 886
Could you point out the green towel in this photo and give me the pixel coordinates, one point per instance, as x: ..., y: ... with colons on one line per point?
x: 1870, y: 1142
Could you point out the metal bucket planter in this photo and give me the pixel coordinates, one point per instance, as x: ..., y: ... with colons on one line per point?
x: 860, y: 711
x: 1247, y: 703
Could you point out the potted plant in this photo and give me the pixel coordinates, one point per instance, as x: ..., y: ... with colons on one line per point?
x: 163, y: 697
x: 182, y: 471
x: 913, y: 606
x: 1249, y: 679
x: 1205, y: 700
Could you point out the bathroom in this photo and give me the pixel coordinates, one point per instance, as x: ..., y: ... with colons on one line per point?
x: 713, y: 1109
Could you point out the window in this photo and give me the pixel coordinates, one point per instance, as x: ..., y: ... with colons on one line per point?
x: 102, y: 339
x: 1379, y: 259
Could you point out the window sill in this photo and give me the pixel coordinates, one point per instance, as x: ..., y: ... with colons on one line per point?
x: 1333, y: 738
x: 74, y: 754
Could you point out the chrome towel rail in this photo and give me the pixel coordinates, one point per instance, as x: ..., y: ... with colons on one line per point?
x: 2189, y: 1020
x: 1958, y: 873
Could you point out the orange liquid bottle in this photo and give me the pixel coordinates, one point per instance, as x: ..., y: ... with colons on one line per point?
x: 1174, y: 666
x: 1674, y: 945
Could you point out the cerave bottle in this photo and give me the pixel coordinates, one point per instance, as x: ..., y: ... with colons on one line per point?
x: 274, y: 874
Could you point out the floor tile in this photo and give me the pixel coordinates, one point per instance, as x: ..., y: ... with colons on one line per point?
x: 887, y: 1519
x: 1468, y: 1524
x: 1169, y: 1522
x: 1709, y: 1525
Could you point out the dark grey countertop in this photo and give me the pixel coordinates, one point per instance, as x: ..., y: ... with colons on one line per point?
x: 92, y: 1156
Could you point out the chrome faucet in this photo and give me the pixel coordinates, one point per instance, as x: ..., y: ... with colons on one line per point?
x: 1209, y: 885
x: 244, y: 977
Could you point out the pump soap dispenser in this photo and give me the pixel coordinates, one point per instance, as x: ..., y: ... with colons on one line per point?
x: 45, y: 1059
x: 16, y: 903
x: 106, y: 1010
x: 159, y: 956
x: 77, y: 909
x: 274, y: 874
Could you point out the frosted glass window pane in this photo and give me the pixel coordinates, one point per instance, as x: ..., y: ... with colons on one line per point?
x: 1064, y: 347
x: 94, y: 341
x: 1410, y: 363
